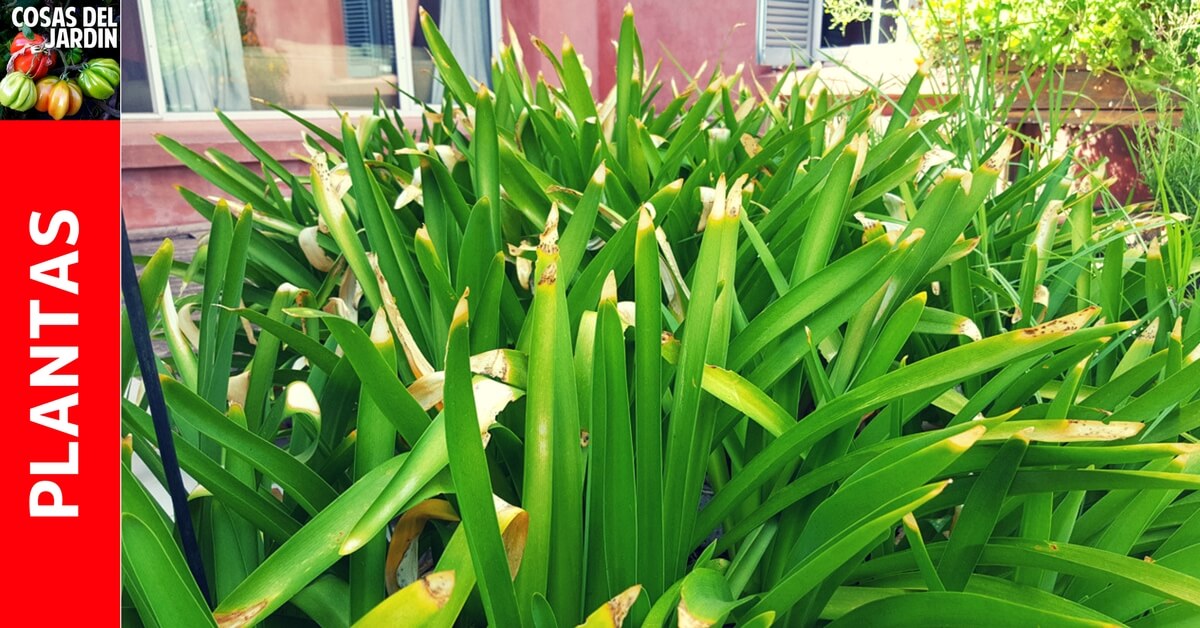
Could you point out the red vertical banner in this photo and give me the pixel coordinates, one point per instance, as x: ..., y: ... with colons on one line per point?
x: 61, y: 484
x: 60, y: 203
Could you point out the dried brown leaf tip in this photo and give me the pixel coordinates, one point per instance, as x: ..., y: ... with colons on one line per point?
x: 493, y: 363
x: 548, y: 242
x: 313, y: 252
x: 646, y: 217
x: 1002, y: 156
x: 750, y: 144
x: 733, y: 203
x: 461, y: 311
x: 609, y: 291
x: 1066, y: 324
x: 688, y: 619
x: 619, y: 606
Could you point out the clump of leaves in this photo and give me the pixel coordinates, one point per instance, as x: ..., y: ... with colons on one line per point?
x: 756, y: 356
x: 1168, y: 152
x: 1151, y: 42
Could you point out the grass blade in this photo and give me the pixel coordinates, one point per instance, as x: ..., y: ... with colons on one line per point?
x: 474, y: 487
x: 298, y: 481
x: 979, y: 514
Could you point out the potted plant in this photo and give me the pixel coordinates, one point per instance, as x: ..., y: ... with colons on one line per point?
x: 1097, y: 62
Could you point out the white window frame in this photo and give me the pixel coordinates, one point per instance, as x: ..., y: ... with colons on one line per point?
x: 404, y: 76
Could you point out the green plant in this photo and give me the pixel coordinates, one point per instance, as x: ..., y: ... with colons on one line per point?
x: 915, y: 393
x: 1168, y: 152
x: 1152, y: 42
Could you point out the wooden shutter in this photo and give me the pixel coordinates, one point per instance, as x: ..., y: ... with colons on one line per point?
x: 786, y: 31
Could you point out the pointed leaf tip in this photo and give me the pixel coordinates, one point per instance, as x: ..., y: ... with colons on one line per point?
x: 461, y: 310
x: 609, y: 292
x: 646, y: 218
x: 599, y: 175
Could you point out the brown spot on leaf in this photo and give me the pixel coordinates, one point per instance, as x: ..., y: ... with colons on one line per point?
x: 560, y: 189
x: 439, y: 586
x: 585, y: 438
x: 550, y: 275
x: 240, y: 617
x: 1066, y: 324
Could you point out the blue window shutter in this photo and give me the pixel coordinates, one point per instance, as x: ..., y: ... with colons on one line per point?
x: 786, y: 31
x: 369, y: 38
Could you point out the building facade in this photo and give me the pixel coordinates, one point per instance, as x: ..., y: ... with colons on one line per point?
x: 182, y: 59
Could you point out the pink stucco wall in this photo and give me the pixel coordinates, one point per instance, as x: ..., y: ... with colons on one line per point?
x: 550, y: 22
x: 691, y: 31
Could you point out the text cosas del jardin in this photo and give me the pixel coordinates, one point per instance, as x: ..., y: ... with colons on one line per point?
x: 70, y: 27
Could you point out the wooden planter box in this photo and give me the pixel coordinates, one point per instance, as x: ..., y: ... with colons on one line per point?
x: 1096, y: 110
x: 1101, y: 98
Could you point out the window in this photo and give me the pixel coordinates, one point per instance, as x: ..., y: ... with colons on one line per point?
x: 191, y: 56
x: 801, y: 30
x: 785, y: 31
x: 881, y: 27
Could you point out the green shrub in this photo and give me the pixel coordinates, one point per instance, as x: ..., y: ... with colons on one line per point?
x: 1152, y: 42
x: 1167, y: 151
x: 756, y: 356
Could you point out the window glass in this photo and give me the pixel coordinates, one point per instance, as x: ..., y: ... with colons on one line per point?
x: 882, y: 15
x: 889, y: 25
x: 228, y: 53
x: 837, y: 36
x: 317, y: 54
x: 135, y: 77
